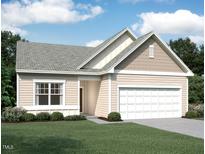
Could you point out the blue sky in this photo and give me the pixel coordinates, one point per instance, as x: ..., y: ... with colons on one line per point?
x: 87, y: 22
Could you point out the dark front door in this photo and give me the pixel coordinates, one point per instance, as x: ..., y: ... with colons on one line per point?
x: 81, y: 99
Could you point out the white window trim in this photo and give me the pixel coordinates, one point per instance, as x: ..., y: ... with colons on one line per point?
x: 17, y: 89
x: 187, y: 94
x: 151, y: 51
x: 149, y: 86
x: 78, y: 92
x: 48, y: 81
x: 52, y: 107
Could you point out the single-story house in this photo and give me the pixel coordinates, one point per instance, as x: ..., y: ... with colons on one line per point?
x: 140, y: 77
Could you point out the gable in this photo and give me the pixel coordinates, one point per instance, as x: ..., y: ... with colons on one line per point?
x: 110, y: 52
x: 139, y: 60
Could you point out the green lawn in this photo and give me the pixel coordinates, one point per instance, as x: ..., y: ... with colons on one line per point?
x: 87, y: 137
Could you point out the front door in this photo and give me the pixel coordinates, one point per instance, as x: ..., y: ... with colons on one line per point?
x: 81, y: 99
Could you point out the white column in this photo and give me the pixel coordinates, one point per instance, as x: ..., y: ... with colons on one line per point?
x: 17, y: 89
x: 109, y: 93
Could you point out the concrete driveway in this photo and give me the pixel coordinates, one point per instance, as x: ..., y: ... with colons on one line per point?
x: 180, y: 125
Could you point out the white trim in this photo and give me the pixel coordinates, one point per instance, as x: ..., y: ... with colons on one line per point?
x: 17, y: 89
x: 102, y: 48
x: 60, y: 72
x: 34, y: 93
x: 78, y: 96
x: 109, y: 93
x: 151, y: 73
x: 181, y: 103
x: 187, y: 95
x: 64, y: 83
x: 150, y: 86
x: 97, y: 78
x: 118, y: 100
x: 46, y: 107
x: 48, y: 81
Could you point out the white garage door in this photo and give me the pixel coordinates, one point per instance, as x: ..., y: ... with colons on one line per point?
x: 148, y: 103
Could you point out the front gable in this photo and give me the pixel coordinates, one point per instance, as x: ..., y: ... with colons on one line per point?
x: 140, y: 60
x: 111, y: 51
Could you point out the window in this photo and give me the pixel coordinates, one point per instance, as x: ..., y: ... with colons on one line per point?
x: 56, y: 93
x: 49, y: 93
x: 151, y: 51
x: 42, y: 93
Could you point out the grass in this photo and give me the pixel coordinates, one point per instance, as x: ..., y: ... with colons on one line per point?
x: 87, y: 137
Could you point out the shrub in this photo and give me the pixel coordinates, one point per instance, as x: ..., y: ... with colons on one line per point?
x: 13, y: 114
x: 56, y: 116
x: 114, y: 116
x: 28, y: 117
x: 43, y: 116
x: 199, y: 108
x: 191, y: 114
x: 196, y: 89
x: 75, y: 118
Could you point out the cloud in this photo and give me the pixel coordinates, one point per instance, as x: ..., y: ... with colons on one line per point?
x: 181, y: 22
x: 19, y: 13
x: 197, y: 39
x: 94, y: 43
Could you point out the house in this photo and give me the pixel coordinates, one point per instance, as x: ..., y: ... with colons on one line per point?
x: 138, y: 77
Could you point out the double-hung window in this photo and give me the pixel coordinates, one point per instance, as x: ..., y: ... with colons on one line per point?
x: 48, y: 93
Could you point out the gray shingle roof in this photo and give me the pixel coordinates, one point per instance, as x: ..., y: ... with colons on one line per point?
x: 42, y: 56
x: 52, y: 57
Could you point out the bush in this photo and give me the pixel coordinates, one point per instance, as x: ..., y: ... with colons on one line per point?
x: 191, y: 114
x: 55, y: 116
x: 199, y: 108
x: 13, y: 114
x: 75, y: 118
x: 28, y: 117
x: 43, y: 116
x: 114, y: 116
x: 196, y: 89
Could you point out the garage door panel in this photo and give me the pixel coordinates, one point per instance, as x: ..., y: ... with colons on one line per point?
x: 131, y: 99
x: 131, y: 115
x: 131, y: 108
x: 146, y: 103
x: 123, y: 100
x: 139, y: 108
x: 123, y: 108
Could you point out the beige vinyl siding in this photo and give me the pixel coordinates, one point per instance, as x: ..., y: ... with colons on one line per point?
x: 102, y: 100
x: 109, y: 49
x: 114, y: 94
x: 25, y: 92
x: 26, y: 88
x: 139, y: 60
x: 71, y: 92
x: 149, y: 80
x: 90, y: 95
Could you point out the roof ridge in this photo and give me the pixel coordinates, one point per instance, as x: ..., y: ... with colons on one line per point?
x: 30, y: 42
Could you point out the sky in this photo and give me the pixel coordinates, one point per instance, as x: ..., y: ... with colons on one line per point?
x: 89, y: 22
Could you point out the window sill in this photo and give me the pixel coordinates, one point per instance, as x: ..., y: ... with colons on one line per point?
x: 50, y: 107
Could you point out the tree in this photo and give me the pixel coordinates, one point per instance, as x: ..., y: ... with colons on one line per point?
x: 196, y: 89
x: 190, y: 53
x: 8, y: 74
